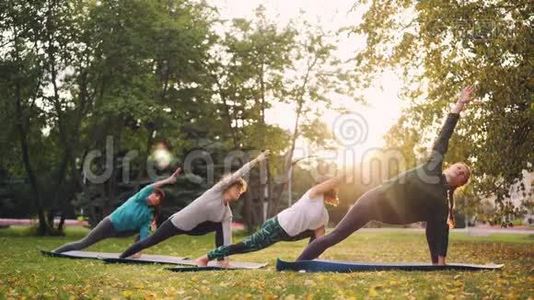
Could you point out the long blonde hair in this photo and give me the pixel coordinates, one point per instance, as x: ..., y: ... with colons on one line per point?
x: 240, y: 182
x: 451, y: 221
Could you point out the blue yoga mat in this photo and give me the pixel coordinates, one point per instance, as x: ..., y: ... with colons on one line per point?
x: 346, y: 267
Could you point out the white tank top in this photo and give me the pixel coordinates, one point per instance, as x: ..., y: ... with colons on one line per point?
x: 306, y: 214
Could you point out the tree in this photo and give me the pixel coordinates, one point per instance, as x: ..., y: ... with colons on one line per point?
x: 75, y: 73
x: 21, y: 74
x: 147, y: 78
x: 438, y: 47
x: 316, y: 74
x: 247, y: 70
x: 258, y: 64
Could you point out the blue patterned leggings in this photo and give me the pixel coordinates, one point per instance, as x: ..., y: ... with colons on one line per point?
x: 269, y: 233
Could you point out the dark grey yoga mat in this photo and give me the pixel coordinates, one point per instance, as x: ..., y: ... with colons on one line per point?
x: 345, y: 267
x: 189, y: 262
x: 145, y: 258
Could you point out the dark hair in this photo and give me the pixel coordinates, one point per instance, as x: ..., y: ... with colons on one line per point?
x: 157, y: 208
x: 332, y: 193
x: 159, y: 192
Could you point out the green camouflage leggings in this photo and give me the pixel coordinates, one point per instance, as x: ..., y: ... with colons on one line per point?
x: 269, y: 233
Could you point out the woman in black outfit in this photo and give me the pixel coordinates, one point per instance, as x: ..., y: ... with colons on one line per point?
x: 421, y: 194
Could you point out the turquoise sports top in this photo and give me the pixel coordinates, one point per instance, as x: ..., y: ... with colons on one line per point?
x: 134, y: 214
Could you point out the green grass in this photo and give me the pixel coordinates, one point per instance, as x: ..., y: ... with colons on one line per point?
x: 25, y: 273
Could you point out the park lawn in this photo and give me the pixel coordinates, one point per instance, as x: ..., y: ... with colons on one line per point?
x: 26, y: 273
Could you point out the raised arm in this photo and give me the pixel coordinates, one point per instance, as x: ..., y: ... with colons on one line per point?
x: 327, y: 185
x: 169, y: 180
x: 225, y: 182
x: 148, y: 189
x: 442, y: 142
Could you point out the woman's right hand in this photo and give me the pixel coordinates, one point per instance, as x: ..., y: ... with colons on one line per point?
x: 172, y: 178
x: 466, y: 95
x: 263, y: 155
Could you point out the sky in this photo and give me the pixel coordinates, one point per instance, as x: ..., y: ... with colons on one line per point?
x: 370, y: 121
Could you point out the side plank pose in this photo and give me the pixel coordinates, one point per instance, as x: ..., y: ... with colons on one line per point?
x: 209, y: 212
x: 134, y: 215
x: 416, y: 195
x: 306, y: 218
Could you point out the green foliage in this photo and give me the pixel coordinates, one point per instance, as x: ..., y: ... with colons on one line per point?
x: 82, y: 71
x: 247, y: 72
x: 439, y: 47
x: 74, y: 75
x: 317, y: 133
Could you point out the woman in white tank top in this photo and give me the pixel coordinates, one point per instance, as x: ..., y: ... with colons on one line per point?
x: 307, y: 218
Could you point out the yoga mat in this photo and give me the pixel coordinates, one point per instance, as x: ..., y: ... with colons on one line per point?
x: 345, y: 267
x: 145, y: 258
x: 188, y: 262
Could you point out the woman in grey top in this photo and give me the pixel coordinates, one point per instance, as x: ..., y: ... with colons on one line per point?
x: 209, y: 212
x: 307, y: 218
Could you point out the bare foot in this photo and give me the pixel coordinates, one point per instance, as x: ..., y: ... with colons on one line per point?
x: 137, y: 255
x: 223, y: 263
x: 202, y: 261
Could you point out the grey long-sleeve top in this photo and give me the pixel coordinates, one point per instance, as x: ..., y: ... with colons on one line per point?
x: 210, y: 206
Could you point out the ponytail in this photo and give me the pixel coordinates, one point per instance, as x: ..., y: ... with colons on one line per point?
x: 155, y: 214
x: 450, y: 196
x: 157, y: 208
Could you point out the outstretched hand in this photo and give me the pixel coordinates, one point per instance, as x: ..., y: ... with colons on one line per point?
x: 263, y: 155
x: 172, y: 178
x: 169, y: 180
x: 466, y: 95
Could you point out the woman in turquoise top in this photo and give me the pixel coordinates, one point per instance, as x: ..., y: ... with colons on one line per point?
x: 134, y: 215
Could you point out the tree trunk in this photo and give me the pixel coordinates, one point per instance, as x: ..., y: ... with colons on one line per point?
x: 277, y: 190
x: 44, y: 228
x: 59, y: 197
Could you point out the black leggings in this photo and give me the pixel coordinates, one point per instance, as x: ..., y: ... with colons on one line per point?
x: 103, y: 230
x: 167, y: 230
x: 372, y: 205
